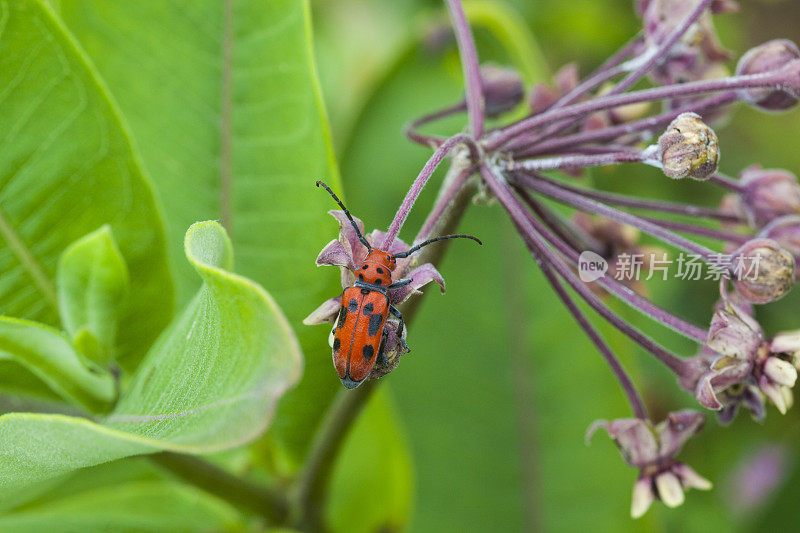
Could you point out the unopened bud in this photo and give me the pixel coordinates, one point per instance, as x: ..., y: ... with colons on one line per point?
x: 771, y: 56
x: 786, y: 232
x: 769, y: 194
x: 764, y: 271
x: 734, y: 333
x: 542, y: 97
x: 502, y: 89
x: 689, y: 148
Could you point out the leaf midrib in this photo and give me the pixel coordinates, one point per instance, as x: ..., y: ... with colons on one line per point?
x: 29, y: 261
x: 226, y: 117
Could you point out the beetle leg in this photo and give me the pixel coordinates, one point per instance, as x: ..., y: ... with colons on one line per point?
x: 396, y: 313
x: 381, y: 356
x: 401, y: 283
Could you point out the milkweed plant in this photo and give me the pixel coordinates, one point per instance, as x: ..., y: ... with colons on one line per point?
x: 94, y: 207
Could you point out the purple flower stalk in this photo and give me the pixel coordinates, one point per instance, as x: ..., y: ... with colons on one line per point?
x: 600, y: 121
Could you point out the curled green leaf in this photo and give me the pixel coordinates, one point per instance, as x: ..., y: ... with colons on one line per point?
x: 92, y: 283
x: 49, y: 355
x: 210, y: 382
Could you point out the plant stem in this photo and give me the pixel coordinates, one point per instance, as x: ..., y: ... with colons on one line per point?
x: 657, y: 54
x: 432, y: 140
x: 541, y: 253
x: 637, y: 404
x: 309, y: 495
x: 579, y: 161
x: 526, y: 146
x: 652, y: 205
x: 241, y: 493
x: 552, y: 190
x: 419, y: 183
x: 727, y: 182
x: 469, y: 62
x: 523, y: 219
x: 627, y: 295
x: 646, y: 62
x: 767, y: 79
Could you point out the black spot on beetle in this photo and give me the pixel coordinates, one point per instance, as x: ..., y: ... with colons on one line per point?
x: 380, y: 270
x: 364, y: 267
x: 374, y: 324
x: 361, y: 277
x: 368, y: 351
x: 365, y: 290
x: 352, y: 306
x: 368, y: 309
x: 342, y: 317
x: 336, y: 344
x: 378, y: 281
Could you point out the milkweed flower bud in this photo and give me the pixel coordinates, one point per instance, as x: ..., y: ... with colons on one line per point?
x: 652, y: 449
x: 689, y: 148
x: 770, y: 57
x: 763, y: 271
x: 769, y: 194
x: 502, y: 89
x: 786, y: 232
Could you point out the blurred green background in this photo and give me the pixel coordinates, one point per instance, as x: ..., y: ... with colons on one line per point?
x: 501, y: 385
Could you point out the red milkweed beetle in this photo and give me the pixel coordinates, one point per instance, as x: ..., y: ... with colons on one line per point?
x: 359, y: 332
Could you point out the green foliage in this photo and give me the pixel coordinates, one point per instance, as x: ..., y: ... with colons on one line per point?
x: 67, y: 168
x: 49, y: 355
x: 123, y: 496
x: 237, y: 132
x: 92, y: 283
x: 209, y: 383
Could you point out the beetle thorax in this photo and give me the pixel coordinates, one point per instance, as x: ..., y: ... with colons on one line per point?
x: 377, y: 268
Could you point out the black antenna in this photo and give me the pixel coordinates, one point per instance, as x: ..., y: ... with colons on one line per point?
x: 346, y: 213
x: 431, y: 241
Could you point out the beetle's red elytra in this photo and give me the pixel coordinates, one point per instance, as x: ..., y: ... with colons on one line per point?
x: 359, y: 332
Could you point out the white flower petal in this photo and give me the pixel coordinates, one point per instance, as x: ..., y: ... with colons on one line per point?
x: 780, y: 371
x: 669, y: 489
x: 787, y: 342
x: 642, y: 496
x: 774, y: 393
x: 325, y: 313
x: 690, y: 478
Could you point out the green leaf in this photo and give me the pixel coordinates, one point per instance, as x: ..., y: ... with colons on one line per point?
x: 209, y: 383
x: 237, y: 132
x: 48, y: 354
x: 92, y: 282
x: 66, y: 168
x: 123, y: 496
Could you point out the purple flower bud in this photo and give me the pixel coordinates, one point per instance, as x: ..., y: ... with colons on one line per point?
x: 763, y: 271
x: 689, y: 148
x: 769, y: 57
x: 786, y: 232
x: 734, y: 333
x: 769, y: 194
x: 502, y: 89
x: 542, y: 97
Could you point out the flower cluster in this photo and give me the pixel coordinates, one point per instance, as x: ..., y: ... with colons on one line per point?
x: 600, y: 120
